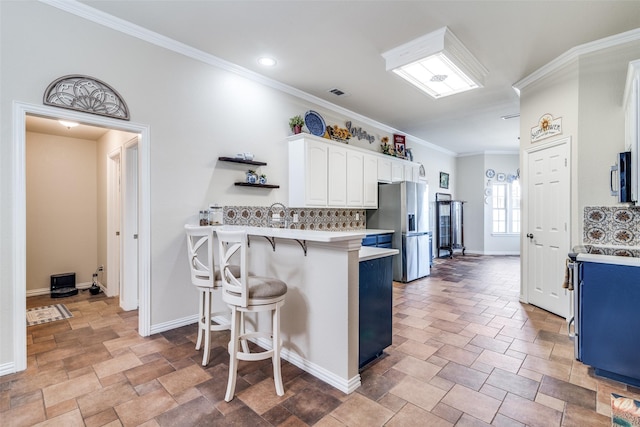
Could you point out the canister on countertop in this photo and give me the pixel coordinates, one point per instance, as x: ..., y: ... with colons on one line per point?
x: 215, y: 214
x: 204, y: 217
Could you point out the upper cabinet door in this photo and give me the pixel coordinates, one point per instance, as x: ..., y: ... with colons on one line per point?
x: 337, y: 177
x: 355, y: 178
x: 384, y: 169
x: 397, y: 171
x: 370, y: 181
x: 307, y: 173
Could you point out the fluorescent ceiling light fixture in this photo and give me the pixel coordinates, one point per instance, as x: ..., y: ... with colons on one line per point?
x: 68, y: 124
x: 267, y: 61
x: 437, y: 63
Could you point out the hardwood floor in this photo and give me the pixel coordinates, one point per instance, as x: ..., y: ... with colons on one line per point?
x: 465, y: 352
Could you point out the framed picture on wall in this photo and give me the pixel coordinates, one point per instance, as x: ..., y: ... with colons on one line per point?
x: 444, y: 180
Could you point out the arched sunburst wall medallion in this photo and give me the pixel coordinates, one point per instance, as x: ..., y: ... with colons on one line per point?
x: 87, y: 94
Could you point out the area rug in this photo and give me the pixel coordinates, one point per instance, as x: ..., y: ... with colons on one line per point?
x: 624, y: 411
x: 48, y: 313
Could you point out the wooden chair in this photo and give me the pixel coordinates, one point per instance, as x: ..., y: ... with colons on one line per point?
x: 244, y: 293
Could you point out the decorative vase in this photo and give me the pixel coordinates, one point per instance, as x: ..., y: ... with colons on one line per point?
x: 262, y: 180
x: 252, y: 178
x: 297, y: 129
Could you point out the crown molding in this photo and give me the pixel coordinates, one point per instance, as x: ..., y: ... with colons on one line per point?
x: 87, y: 12
x: 574, y: 53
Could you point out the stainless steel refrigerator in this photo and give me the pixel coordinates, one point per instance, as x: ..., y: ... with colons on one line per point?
x: 404, y: 208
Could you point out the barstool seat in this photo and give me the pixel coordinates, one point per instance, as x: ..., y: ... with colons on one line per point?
x: 206, y: 277
x: 244, y: 293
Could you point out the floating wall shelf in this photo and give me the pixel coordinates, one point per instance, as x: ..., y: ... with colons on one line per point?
x: 246, y: 184
x: 246, y: 162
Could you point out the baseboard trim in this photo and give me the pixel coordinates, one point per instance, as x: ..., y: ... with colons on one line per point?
x: 344, y: 385
x: 46, y: 291
x: 7, y: 368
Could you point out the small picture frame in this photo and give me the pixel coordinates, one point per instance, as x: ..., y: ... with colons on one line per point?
x: 399, y: 146
x: 444, y: 180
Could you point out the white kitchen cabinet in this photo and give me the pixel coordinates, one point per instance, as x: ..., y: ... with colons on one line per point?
x: 384, y: 169
x: 337, y: 169
x: 397, y: 171
x: 308, y: 160
x: 370, y: 181
x: 355, y: 178
x: 411, y: 172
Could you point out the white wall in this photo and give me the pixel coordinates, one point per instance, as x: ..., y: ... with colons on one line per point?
x: 472, y: 183
x: 195, y: 112
x: 61, y: 208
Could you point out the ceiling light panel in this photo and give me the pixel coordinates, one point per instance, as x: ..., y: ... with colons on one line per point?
x: 437, y: 63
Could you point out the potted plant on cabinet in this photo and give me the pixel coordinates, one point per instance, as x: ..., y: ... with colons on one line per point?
x: 295, y: 123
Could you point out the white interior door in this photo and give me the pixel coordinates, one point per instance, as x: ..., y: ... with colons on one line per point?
x: 129, y: 235
x: 114, y: 215
x: 547, y: 235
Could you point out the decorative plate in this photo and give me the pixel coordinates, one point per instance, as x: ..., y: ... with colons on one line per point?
x: 422, y: 172
x: 490, y: 173
x: 315, y: 123
x: 487, y: 191
x: 501, y: 177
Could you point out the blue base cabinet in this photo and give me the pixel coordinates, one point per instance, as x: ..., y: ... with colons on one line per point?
x: 608, y: 322
x: 376, y: 294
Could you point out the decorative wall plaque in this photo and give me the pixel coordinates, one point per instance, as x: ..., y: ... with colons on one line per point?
x: 86, y: 94
x: 547, y: 126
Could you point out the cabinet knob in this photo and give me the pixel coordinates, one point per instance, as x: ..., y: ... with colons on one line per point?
x: 529, y: 235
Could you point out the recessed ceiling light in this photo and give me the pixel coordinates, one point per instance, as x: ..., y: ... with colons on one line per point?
x: 266, y: 61
x: 68, y: 124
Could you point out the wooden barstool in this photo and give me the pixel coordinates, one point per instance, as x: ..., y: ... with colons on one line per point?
x: 248, y: 294
x: 206, y: 277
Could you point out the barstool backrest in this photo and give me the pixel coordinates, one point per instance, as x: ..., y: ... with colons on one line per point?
x: 234, y: 288
x: 200, y: 254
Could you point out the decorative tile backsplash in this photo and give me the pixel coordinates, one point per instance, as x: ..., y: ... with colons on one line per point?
x: 612, y: 230
x: 308, y: 219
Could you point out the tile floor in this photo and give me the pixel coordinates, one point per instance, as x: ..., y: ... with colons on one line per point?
x: 465, y: 353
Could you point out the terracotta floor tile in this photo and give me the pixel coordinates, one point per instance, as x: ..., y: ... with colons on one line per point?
x: 502, y: 361
x: 419, y: 393
x: 411, y: 415
x: 472, y: 402
x: 416, y: 349
x: 417, y: 368
x: 361, y: 412
x: 513, y: 383
x: 311, y: 404
x: 530, y: 413
x: 177, y: 381
x: 457, y: 355
x: 137, y: 411
x: 69, y: 389
x: 25, y: 415
x: 568, y: 392
x: 464, y: 375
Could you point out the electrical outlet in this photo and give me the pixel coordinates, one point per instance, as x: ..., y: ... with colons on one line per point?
x: 357, y: 216
x: 295, y: 217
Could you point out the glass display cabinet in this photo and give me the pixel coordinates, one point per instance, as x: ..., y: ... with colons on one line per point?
x: 450, y: 225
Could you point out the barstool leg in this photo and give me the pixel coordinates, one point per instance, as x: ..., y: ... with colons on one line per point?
x: 207, y: 327
x: 233, y: 353
x: 200, y: 319
x: 277, y: 375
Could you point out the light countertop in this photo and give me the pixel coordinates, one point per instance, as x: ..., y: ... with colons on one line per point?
x: 370, y: 252
x: 370, y: 231
x: 308, y: 235
x: 610, y: 259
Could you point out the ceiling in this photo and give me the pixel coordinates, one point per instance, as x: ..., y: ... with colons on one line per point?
x: 320, y: 45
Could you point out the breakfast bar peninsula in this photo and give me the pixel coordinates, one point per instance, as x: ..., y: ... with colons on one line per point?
x: 319, y: 321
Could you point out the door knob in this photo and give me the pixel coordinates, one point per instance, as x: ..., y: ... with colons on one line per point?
x: 529, y: 235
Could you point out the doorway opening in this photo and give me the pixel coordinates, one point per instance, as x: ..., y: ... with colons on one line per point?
x: 139, y: 151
